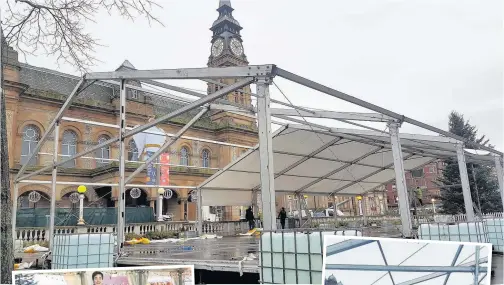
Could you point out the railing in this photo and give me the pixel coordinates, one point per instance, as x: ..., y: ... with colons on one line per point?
x: 231, y: 228
x: 219, y: 228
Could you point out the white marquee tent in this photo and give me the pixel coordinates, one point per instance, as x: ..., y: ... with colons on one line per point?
x: 328, y: 161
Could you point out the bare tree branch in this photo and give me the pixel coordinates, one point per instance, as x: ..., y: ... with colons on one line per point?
x: 57, y: 27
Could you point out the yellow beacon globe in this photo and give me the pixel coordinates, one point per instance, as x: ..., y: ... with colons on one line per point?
x: 81, y: 189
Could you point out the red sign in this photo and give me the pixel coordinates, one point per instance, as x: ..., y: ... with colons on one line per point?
x: 165, y: 169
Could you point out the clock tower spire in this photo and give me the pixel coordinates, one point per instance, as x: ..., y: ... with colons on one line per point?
x: 227, y: 50
x: 227, y: 44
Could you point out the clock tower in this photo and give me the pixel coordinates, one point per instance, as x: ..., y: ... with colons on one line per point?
x: 227, y: 50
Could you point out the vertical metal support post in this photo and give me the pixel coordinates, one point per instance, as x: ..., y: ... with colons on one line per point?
x: 160, y: 197
x: 159, y: 207
x: 121, y: 219
x: 15, y: 198
x: 402, y: 190
x: 268, y: 196
x: 199, y: 212
x: 300, y: 209
x: 364, y: 209
x: 500, y: 176
x: 477, y: 265
x: 335, y: 212
x: 255, y: 208
x: 464, y: 179
x: 52, y: 212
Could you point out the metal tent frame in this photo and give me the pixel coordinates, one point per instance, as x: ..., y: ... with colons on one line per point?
x: 262, y: 76
x: 473, y: 267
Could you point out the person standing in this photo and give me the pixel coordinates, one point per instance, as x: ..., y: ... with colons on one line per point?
x: 282, y: 216
x: 249, y: 216
x: 419, y: 195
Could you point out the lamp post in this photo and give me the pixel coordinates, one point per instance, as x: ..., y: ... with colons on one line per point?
x: 81, y: 190
x: 359, y: 199
x: 160, y: 204
x: 433, y: 205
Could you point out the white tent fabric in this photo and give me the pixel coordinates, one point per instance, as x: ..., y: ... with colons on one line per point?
x: 322, y: 162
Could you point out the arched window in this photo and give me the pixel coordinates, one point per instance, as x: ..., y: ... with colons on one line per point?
x: 132, y: 151
x: 205, y: 158
x: 31, y: 136
x: 103, y: 153
x: 69, y: 147
x: 184, y: 156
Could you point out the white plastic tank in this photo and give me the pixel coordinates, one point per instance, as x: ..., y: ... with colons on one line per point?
x: 72, y: 251
x: 292, y: 258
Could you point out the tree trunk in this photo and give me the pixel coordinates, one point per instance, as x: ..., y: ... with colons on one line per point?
x: 6, y: 246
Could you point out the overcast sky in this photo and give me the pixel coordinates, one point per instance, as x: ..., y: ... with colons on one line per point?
x: 419, y: 58
x: 403, y: 252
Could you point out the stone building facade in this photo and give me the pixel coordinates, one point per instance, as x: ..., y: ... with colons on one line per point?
x: 34, y: 95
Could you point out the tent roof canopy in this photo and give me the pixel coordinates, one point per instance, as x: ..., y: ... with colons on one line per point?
x: 332, y: 161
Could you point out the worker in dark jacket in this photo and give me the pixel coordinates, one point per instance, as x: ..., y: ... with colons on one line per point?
x: 249, y: 216
x: 282, y: 216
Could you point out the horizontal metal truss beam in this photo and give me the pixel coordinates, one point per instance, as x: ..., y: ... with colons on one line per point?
x: 186, y: 73
x: 195, y: 94
x: 335, y: 93
x: 69, y: 119
x: 191, y: 106
x: 383, y: 135
x: 346, y: 245
x: 369, y: 117
x: 382, y: 140
x: 439, y: 274
x: 72, y: 183
x: 401, y: 268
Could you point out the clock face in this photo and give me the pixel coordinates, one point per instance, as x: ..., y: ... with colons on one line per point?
x: 217, y: 47
x: 236, y: 47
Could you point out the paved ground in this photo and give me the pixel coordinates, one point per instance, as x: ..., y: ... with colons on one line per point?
x: 210, y: 254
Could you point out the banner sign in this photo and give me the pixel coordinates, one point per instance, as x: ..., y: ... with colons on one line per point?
x: 150, y: 178
x: 165, y: 169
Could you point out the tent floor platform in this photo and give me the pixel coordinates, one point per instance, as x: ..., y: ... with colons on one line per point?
x: 222, y: 254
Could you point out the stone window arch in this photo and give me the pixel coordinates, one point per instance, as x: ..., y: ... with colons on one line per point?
x: 103, y: 153
x: 184, y: 156
x: 205, y: 158
x: 31, y: 137
x: 69, y: 147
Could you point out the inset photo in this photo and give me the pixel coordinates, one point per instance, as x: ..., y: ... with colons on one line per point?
x: 158, y: 275
x: 351, y: 260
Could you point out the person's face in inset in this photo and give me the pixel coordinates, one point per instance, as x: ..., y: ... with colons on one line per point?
x: 98, y: 279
